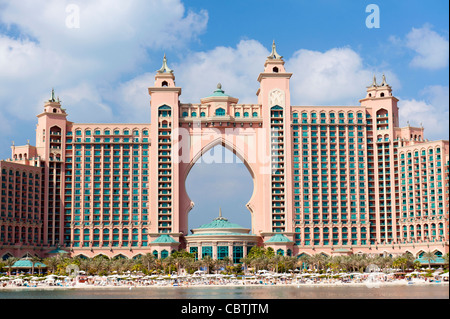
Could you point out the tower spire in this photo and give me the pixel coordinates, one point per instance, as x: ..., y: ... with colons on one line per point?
x: 383, y: 83
x: 274, y: 54
x: 374, y: 82
x: 220, y: 215
x: 165, y: 68
x: 53, y: 96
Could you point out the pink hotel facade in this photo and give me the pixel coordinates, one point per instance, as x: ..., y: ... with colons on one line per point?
x: 327, y: 179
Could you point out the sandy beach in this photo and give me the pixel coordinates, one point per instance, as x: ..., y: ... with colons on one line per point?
x: 101, y: 283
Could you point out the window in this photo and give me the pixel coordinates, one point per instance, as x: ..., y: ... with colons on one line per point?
x: 164, y: 111
x: 220, y: 112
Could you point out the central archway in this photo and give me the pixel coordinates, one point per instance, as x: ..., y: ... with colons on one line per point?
x: 186, y: 204
x: 219, y: 180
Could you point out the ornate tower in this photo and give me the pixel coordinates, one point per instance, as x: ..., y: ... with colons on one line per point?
x: 274, y: 97
x: 164, y: 186
x: 50, y: 144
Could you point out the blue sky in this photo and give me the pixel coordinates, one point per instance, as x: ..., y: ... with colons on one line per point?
x: 101, y: 68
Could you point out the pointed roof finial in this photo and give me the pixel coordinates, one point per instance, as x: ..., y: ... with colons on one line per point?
x: 374, y: 82
x: 165, y: 68
x: 52, y: 99
x: 383, y: 83
x: 220, y: 215
x: 274, y: 54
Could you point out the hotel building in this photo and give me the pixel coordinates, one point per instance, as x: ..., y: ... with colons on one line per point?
x: 327, y: 179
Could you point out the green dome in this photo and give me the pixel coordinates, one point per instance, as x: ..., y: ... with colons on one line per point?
x: 279, y: 238
x: 26, y: 263
x: 219, y: 91
x: 164, y: 239
x: 220, y: 222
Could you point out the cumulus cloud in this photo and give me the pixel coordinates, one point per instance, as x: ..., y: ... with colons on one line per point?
x: 432, y: 111
x: 431, y: 50
x: 337, y: 76
x: 334, y: 77
x: 39, y: 51
x: 236, y: 69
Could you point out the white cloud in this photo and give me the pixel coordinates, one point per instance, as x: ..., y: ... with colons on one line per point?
x: 87, y: 105
x: 38, y: 51
x: 335, y: 77
x: 133, y: 99
x: 432, y: 112
x: 432, y: 49
x: 236, y: 69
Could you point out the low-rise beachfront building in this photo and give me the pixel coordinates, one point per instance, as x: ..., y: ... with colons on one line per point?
x: 220, y: 239
x: 327, y: 179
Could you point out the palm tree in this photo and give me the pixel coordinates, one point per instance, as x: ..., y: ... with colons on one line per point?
x: 10, y: 262
x: 208, y: 262
x: 290, y: 262
x: 34, y: 260
x: 303, y: 260
x: 429, y: 256
x: 227, y: 261
x: 400, y: 262
x: 246, y: 261
x: 149, y: 260
x: 85, y: 264
x: 97, y: 265
x: 274, y: 261
x: 52, y: 263
x: 317, y: 259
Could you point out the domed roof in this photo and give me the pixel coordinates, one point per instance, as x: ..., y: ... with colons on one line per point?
x: 164, y: 239
x: 27, y: 263
x: 220, y: 222
x: 278, y: 238
x: 219, y: 91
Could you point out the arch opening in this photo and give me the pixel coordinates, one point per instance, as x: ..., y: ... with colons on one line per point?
x: 219, y: 179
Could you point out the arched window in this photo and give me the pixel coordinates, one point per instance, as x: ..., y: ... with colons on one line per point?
x: 245, y: 114
x: 185, y: 114
x: 164, y: 111
x: 220, y: 112
x: 194, y: 114
x: 237, y: 114
x: 202, y: 114
x: 255, y: 114
x: 164, y: 254
x: 164, y: 84
x: 275, y: 70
